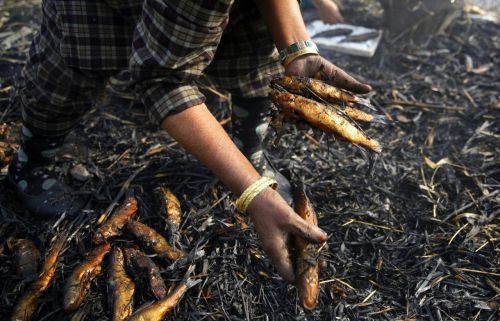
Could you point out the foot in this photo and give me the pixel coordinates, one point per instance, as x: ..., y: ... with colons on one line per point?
x: 121, y: 85
x: 264, y: 166
x: 40, y: 190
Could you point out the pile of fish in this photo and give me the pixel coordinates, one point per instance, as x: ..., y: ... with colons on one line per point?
x: 325, y: 107
x: 7, y: 149
x: 126, y: 266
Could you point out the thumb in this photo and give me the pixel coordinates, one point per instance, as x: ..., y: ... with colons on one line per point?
x: 307, y: 230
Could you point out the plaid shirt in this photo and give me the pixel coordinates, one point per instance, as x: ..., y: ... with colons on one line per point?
x: 166, y: 44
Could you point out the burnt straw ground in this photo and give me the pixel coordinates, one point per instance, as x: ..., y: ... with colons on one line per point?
x: 413, y: 232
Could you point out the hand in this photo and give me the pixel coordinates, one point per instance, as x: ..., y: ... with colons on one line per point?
x: 311, y: 65
x: 328, y: 11
x: 274, y: 221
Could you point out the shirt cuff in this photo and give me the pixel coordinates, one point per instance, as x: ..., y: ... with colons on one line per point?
x: 164, y: 100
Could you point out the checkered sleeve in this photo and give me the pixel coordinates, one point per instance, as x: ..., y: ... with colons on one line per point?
x: 174, y: 41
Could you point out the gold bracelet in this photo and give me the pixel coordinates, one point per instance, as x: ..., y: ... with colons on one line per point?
x: 299, y: 53
x: 252, y: 191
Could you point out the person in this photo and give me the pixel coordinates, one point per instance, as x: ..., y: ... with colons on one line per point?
x: 166, y: 45
x: 328, y: 10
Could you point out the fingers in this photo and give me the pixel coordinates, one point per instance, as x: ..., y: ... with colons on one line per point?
x: 340, y: 78
x: 340, y: 18
x: 277, y: 252
x: 310, y: 66
x: 314, y: 65
x: 306, y: 230
x: 334, y: 17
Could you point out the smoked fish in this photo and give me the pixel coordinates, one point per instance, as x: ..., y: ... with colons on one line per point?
x: 313, y: 87
x: 115, y: 223
x: 172, y: 209
x: 322, y: 117
x: 307, y: 267
x: 154, y: 240
x: 78, y: 284
x: 28, y: 304
x: 121, y: 285
x: 144, y: 267
x: 26, y: 257
x: 158, y: 310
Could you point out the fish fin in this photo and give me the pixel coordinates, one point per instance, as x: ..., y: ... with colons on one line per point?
x: 363, y: 152
x: 277, y: 87
x: 365, y: 102
x: 187, y: 280
x: 194, y: 255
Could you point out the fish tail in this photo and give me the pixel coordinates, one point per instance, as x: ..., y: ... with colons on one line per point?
x: 190, y: 282
x: 298, y: 187
x: 381, y: 119
x: 188, y: 273
x: 376, y: 146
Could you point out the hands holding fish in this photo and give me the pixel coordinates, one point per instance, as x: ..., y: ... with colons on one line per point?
x: 274, y: 222
x: 273, y: 219
x: 311, y: 65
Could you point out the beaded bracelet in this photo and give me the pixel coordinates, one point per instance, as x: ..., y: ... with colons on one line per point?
x: 252, y: 191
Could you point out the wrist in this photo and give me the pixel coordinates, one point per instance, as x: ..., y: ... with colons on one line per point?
x: 290, y: 40
x: 261, y: 200
x: 253, y: 191
x: 296, y: 50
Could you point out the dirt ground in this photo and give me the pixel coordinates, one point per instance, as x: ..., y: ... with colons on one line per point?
x: 413, y: 232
